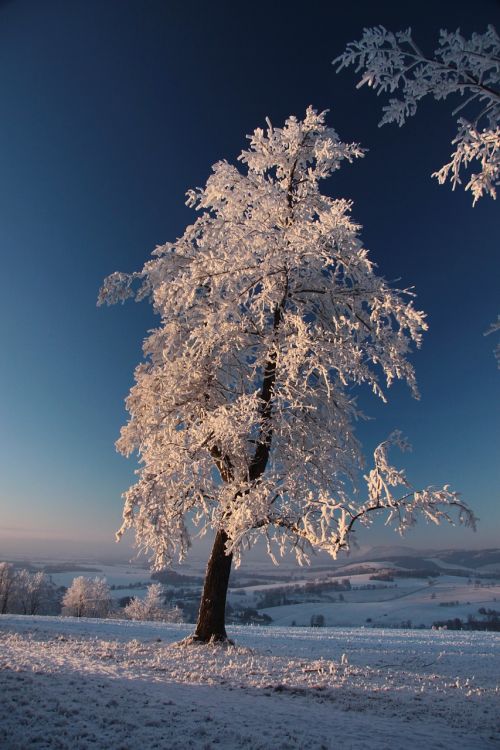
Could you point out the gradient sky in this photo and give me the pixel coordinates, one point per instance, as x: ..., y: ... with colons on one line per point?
x: 111, y: 110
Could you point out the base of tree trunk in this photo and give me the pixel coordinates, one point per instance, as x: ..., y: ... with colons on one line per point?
x: 194, y: 640
x: 211, y: 627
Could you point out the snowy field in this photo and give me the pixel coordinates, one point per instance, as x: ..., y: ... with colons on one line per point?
x: 412, y: 600
x: 118, y: 685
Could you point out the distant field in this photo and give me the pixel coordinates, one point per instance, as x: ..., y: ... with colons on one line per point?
x: 417, y: 592
x: 412, y: 602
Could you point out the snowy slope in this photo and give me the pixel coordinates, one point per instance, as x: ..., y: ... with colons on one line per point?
x: 372, y: 602
x: 416, y: 602
x: 80, y: 684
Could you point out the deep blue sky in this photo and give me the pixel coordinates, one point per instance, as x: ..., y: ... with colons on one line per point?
x: 111, y: 110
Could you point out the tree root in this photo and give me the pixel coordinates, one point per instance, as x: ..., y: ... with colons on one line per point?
x: 194, y: 640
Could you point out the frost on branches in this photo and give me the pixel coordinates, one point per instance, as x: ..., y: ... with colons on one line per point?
x: 87, y: 597
x: 151, y: 607
x: 495, y: 328
x: 24, y: 592
x: 242, y: 412
x: 393, y: 63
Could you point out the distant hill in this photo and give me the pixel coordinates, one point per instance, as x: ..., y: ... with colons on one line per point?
x: 471, y: 558
x: 485, y: 562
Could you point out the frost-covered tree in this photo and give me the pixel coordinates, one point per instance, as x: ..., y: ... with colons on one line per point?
x: 470, y: 68
x: 392, y: 62
x: 24, y: 592
x: 87, y: 597
x: 495, y: 328
x: 75, y: 598
x: 152, y: 607
x: 31, y: 591
x: 242, y: 412
x: 7, y: 581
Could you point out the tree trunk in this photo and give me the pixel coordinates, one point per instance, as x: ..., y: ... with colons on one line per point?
x: 211, y: 616
x: 212, y: 612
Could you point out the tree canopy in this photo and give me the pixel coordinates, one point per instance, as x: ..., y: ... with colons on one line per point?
x: 271, y: 312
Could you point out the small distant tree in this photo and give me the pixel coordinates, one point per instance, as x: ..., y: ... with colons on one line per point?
x: 75, y: 599
x: 242, y: 413
x: 317, y: 621
x: 152, y: 607
x: 7, y: 580
x: 87, y: 597
x: 31, y: 591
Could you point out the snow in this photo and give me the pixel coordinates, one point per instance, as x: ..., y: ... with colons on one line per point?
x: 69, y: 683
x: 384, y: 604
x: 119, y: 574
x: 411, y: 600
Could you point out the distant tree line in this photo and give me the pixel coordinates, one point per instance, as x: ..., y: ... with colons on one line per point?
x: 246, y: 616
x: 413, y: 573
x: 280, y: 596
x: 490, y: 622
x: 29, y: 592
x: 173, y: 578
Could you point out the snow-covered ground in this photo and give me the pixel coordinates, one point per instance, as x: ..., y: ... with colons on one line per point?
x: 375, y: 603
x: 119, y: 685
x: 413, y: 601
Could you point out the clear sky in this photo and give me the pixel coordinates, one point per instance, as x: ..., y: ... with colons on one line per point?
x: 111, y: 110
